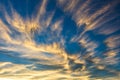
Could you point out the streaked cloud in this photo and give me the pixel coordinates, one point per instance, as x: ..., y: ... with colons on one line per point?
x: 38, y: 43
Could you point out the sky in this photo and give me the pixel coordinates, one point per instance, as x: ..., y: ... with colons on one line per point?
x: 59, y: 39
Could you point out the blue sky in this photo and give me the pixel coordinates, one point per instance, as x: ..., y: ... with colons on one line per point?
x: 72, y: 39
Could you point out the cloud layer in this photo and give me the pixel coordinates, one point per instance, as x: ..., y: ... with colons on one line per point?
x: 73, y: 41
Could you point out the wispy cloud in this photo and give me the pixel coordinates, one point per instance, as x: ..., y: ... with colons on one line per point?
x: 46, y: 55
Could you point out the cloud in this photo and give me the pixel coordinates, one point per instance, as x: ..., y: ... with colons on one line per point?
x: 112, y: 41
x: 81, y: 12
x: 13, y: 71
x: 48, y: 58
